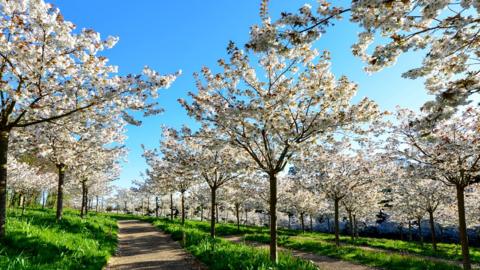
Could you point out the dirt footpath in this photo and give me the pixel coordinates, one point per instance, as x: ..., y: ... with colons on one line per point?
x: 142, y: 246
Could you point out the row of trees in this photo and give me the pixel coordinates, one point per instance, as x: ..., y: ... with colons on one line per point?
x: 277, y: 103
x: 63, y: 108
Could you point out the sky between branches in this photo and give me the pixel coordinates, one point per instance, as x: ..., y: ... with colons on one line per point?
x: 189, y: 34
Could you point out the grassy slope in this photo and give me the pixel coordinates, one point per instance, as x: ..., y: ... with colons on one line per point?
x: 37, y: 241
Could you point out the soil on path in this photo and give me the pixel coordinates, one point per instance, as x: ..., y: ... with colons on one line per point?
x: 323, y: 262
x: 142, y: 246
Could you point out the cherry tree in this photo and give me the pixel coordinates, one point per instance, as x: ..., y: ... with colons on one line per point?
x: 451, y: 149
x: 50, y: 71
x: 272, y: 109
x: 336, y: 171
x: 444, y: 33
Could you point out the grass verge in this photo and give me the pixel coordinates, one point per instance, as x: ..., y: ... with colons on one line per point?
x: 37, y: 241
x: 218, y: 254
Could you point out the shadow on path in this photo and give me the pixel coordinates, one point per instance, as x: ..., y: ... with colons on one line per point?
x: 142, y: 246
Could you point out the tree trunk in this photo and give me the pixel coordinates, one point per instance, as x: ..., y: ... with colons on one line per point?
x: 156, y: 206
x: 216, y: 212
x: 410, y: 236
x: 302, y: 222
x: 96, y: 204
x: 311, y: 223
x: 355, y: 229
x: 337, y: 225
x: 3, y: 181
x: 171, y: 206
x: 87, y: 201
x: 289, y: 221
x: 213, y: 194
x: 84, y: 200
x: 61, y: 181
x: 420, y: 234
x: 201, y: 213
x: 237, y: 212
x: 24, y: 201
x: 183, y: 207
x: 350, y: 221
x: 273, y: 218
x: 328, y: 225
x: 432, y: 230
x: 462, y: 228
x: 44, y: 199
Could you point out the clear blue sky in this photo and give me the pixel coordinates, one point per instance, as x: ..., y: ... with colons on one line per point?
x: 189, y: 34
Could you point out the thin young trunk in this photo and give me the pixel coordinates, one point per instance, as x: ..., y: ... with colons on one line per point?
x: 355, y: 229
x: 156, y: 206
x: 213, y: 194
x: 432, y: 230
x: 350, y: 221
x: 23, y: 205
x: 337, y: 225
x: 96, y: 204
x: 302, y: 222
x: 84, y: 201
x: 410, y: 236
x: 462, y: 228
x: 201, y: 213
x: 311, y: 223
x: 289, y: 221
x: 237, y: 212
x: 183, y: 207
x: 44, y: 199
x: 273, y: 218
x: 87, y: 201
x: 61, y: 181
x: 420, y: 233
x: 3, y: 180
x: 171, y: 206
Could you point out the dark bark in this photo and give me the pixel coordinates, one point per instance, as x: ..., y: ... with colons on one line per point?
x: 171, y: 206
x: 273, y: 218
x: 84, y: 200
x: 420, y: 233
x: 432, y: 230
x: 216, y: 212
x: 355, y: 228
x: 156, y: 206
x: 4, y: 135
x: 462, y: 227
x: 237, y: 213
x: 201, y: 213
x: 61, y: 182
x: 302, y: 222
x: 183, y: 207
x: 213, y: 195
x: 350, y: 221
x: 337, y: 225
x: 410, y: 236
x: 289, y: 221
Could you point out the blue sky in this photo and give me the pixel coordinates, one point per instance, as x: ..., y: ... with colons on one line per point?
x: 189, y: 34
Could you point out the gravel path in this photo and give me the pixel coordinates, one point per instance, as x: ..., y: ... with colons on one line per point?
x: 323, y: 262
x: 142, y: 246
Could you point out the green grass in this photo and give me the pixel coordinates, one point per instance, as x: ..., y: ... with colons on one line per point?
x: 444, y: 250
x: 37, y: 241
x: 219, y: 254
x: 355, y: 254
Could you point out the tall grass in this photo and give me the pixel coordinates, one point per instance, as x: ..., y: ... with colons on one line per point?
x: 37, y: 241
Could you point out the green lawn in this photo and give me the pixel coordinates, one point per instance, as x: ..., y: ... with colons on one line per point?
x: 221, y: 254
x: 37, y: 241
